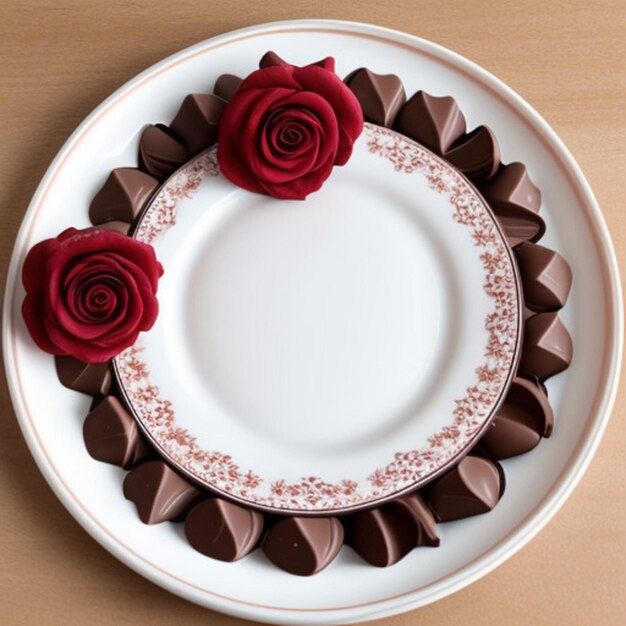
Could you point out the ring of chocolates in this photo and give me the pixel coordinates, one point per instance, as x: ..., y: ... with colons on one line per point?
x: 385, y: 534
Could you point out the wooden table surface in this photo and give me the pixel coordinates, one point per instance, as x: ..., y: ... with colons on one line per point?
x: 60, y: 59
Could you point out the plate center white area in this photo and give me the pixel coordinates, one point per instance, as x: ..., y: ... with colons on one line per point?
x: 318, y: 324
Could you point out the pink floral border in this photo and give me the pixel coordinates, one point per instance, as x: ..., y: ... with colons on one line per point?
x: 407, y: 469
x: 161, y: 213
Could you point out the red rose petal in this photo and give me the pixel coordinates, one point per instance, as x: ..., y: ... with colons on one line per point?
x: 347, y: 108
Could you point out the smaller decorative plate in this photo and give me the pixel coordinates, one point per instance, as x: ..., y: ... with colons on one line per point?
x: 330, y: 354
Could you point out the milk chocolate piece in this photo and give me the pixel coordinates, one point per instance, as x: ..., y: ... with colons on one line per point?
x: 520, y: 225
x: 547, y: 346
x: 384, y: 535
x: 546, y: 277
x: 116, y: 226
x: 473, y: 487
x: 512, y: 188
x: 303, y: 545
x: 122, y: 196
x: 520, y: 423
x: 432, y: 121
x: 158, y: 492
x: 111, y: 435
x: 381, y: 95
x: 197, y: 120
x: 223, y: 530
x: 160, y: 153
x: 477, y: 154
x: 226, y: 85
x: 93, y: 379
x: 515, y: 201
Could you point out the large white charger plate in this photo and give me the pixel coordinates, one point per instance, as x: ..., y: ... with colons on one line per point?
x: 537, y: 483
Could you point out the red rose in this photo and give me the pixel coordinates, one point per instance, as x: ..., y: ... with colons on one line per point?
x: 285, y: 129
x: 89, y: 293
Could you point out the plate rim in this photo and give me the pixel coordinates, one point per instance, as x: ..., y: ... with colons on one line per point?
x: 368, y: 501
x: 534, y: 521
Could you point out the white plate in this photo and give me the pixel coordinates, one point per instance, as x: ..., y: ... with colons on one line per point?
x: 324, y: 355
x: 348, y: 591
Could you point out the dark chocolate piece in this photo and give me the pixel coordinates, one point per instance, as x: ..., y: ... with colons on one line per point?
x: 159, y: 493
x: 270, y: 59
x: 384, y: 535
x: 111, y: 435
x: 160, y: 153
x: 477, y: 154
x: 116, y: 226
x: 520, y: 423
x: 473, y: 487
x: 93, y: 379
x: 541, y: 385
x: 223, y: 530
x: 414, y: 506
x: 380, y: 538
x: 122, y: 196
x: 304, y: 545
x: 197, y: 120
x: 381, y: 95
x: 432, y: 121
x: 226, y: 85
x: 547, y: 348
x: 546, y: 277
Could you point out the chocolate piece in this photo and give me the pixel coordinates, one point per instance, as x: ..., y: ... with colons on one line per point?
x: 542, y: 387
x: 546, y: 277
x: 122, y: 196
x: 385, y: 535
x: 414, y: 506
x: 197, y: 120
x: 158, y: 492
x: 223, y: 530
x: 381, y: 95
x: 473, y: 487
x: 477, y: 154
x: 303, y: 545
x: 520, y: 225
x: 434, y: 122
x: 520, y: 423
x: 159, y: 153
x: 516, y: 201
x: 91, y: 378
x: 380, y: 538
x: 111, y: 435
x: 547, y: 346
x: 270, y: 59
x: 226, y: 86
x: 512, y: 188
x: 116, y: 226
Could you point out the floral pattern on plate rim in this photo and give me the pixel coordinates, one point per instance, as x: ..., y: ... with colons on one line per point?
x: 407, y: 468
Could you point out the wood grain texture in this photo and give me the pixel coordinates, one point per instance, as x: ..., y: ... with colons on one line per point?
x: 60, y: 59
